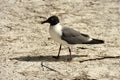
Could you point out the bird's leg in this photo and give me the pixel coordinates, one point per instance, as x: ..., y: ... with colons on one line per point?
x: 70, y: 58
x: 57, y: 57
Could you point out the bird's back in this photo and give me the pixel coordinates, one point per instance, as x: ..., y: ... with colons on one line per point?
x: 74, y: 37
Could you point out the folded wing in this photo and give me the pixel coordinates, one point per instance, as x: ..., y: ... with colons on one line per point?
x: 74, y: 37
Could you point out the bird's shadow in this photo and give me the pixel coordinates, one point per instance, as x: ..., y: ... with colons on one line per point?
x: 101, y: 58
x: 62, y: 58
x: 45, y: 58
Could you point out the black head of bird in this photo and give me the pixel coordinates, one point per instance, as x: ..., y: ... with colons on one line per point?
x: 53, y: 20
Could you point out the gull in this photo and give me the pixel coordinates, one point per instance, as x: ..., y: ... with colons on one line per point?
x: 67, y: 36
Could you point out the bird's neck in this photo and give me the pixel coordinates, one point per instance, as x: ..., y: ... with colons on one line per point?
x: 55, y: 30
x: 57, y: 25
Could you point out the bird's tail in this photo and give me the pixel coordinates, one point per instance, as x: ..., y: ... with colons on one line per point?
x: 95, y: 41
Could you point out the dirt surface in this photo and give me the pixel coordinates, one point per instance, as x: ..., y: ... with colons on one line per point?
x: 26, y: 49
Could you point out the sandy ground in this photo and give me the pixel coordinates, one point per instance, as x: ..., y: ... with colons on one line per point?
x: 26, y: 49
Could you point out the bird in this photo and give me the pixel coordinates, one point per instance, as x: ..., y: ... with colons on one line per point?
x: 67, y: 36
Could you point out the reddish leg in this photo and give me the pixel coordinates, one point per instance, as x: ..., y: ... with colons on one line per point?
x: 57, y: 57
x: 70, y: 58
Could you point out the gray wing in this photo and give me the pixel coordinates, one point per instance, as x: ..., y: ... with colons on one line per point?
x: 74, y: 37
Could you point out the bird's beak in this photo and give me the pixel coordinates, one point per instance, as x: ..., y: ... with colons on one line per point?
x: 44, y: 22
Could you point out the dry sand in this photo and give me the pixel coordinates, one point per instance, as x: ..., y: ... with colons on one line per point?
x: 26, y: 50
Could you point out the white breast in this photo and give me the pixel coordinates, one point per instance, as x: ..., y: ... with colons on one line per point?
x: 56, y: 33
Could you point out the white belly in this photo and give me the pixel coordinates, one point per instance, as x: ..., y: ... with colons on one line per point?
x: 56, y: 33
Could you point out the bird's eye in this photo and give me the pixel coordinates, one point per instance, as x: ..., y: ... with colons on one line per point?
x: 52, y: 19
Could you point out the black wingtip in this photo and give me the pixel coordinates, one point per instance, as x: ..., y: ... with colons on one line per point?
x: 95, y: 41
